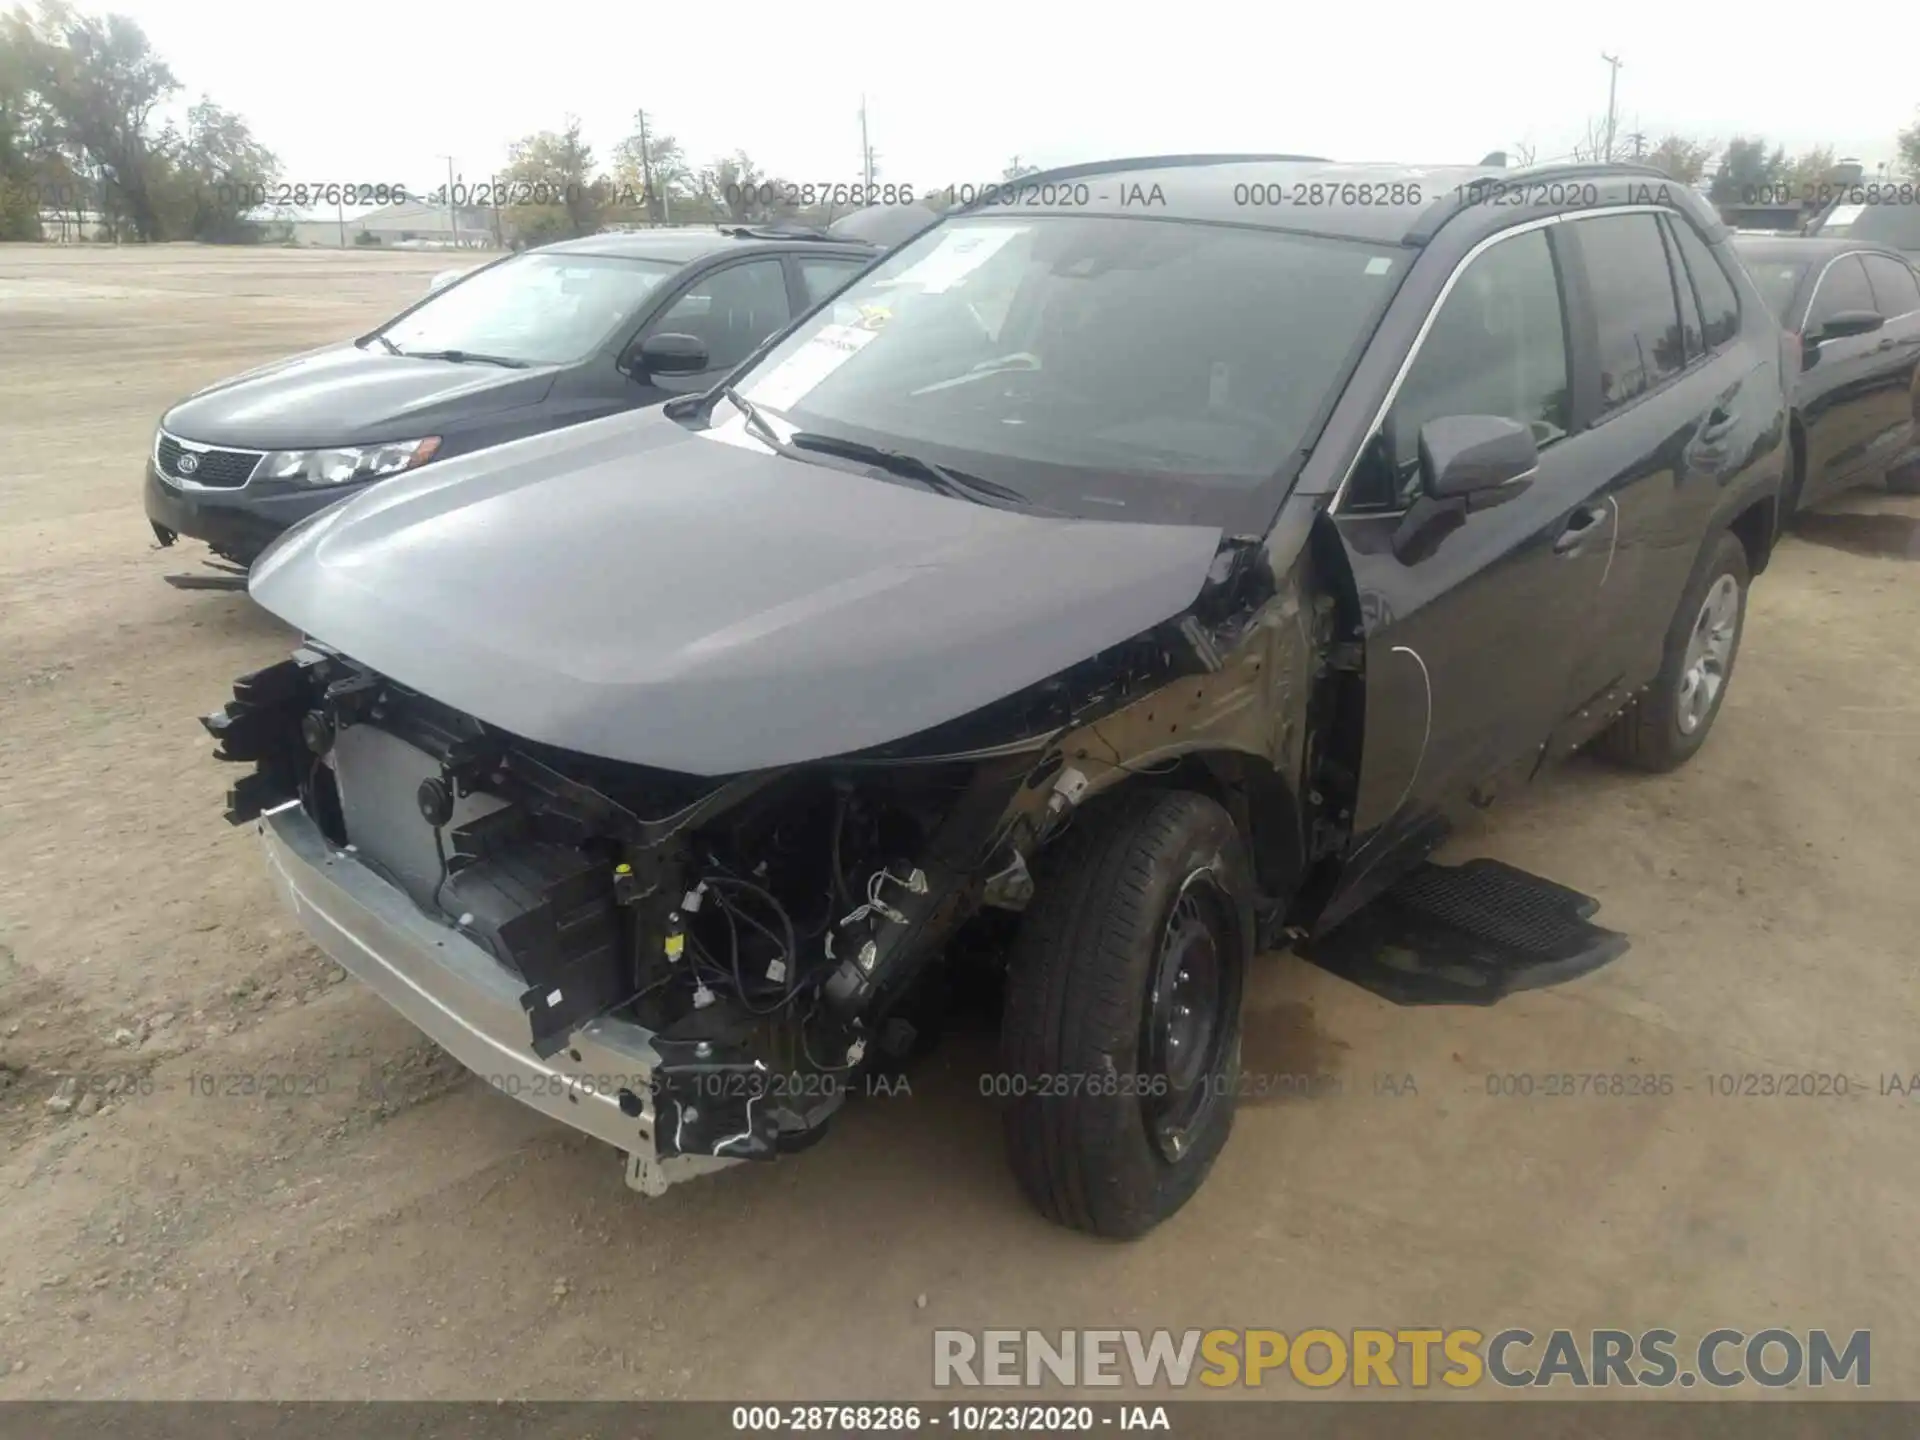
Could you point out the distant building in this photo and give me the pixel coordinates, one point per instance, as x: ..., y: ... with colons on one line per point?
x: 414, y: 225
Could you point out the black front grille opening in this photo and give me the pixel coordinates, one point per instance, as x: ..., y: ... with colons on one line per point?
x: 222, y: 469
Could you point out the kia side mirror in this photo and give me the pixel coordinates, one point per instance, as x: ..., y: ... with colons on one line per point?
x: 1467, y: 463
x: 1850, y: 322
x: 669, y: 354
x: 443, y: 279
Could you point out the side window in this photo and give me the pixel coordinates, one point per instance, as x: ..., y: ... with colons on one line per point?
x: 1689, y: 304
x: 1894, y: 285
x: 1843, y: 287
x: 730, y: 311
x: 823, y: 277
x: 1497, y: 347
x: 1633, y: 305
x: 1719, y: 305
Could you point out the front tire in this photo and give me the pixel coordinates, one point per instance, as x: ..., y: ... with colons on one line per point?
x: 1121, y: 1034
x: 1669, y: 722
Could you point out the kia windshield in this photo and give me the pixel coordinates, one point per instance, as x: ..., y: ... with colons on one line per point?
x: 535, y: 309
x: 1099, y: 366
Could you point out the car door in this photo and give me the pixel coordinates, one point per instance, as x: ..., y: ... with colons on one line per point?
x: 1841, y: 382
x: 1468, y: 649
x: 729, y: 309
x: 1896, y: 291
x: 1673, y: 412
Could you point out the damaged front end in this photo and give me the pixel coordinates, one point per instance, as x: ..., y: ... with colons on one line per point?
x: 697, y: 969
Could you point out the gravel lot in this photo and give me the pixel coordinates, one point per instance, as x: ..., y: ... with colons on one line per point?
x: 394, y: 1230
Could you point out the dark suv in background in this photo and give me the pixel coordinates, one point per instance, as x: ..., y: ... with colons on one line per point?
x: 532, y: 342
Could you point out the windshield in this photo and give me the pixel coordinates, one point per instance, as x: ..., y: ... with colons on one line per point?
x: 1778, y: 282
x: 1893, y: 223
x: 537, y: 309
x: 1100, y: 366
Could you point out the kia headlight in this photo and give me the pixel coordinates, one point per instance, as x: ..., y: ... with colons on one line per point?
x: 347, y: 463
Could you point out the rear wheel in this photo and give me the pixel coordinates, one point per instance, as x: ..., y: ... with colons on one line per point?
x: 1121, y: 1035
x: 1668, y: 723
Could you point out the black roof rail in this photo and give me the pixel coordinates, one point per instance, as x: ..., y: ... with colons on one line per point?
x: 1133, y: 162
x: 1450, y: 203
x: 779, y: 232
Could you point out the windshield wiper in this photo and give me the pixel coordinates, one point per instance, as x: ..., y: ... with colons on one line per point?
x: 392, y: 349
x: 758, y: 424
x: 956, y: 484
x: 463, y: 357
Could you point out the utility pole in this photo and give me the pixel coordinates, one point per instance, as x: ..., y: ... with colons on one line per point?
x: 1613, y: 79
x: 866, y: 151
x: 453, y: 224
x: 1639, y: 140
x: 340, y: 214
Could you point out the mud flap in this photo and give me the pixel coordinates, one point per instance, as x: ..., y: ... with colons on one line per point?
x: 1466, y: 935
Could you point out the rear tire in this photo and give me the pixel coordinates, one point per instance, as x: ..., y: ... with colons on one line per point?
x: 1668, y: 723
x: 1121, y: 1034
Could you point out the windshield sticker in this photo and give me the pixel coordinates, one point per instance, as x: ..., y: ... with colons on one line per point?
x: 825, y: 353
x: 957, y: 256
x: 1845, y: 214
x: 1379, y: 264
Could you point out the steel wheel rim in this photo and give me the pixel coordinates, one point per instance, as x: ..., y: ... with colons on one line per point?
x: 1703, y: 673
x: 1182, y: 1034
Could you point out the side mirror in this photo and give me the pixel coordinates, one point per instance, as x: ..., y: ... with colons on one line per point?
x: 1467, y: 454
x: 1849, y: 322
x: 1467, y: 463
x: 443, y: 279
x: 669, y: 354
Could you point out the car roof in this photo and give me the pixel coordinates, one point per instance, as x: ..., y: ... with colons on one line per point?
x: 684, y: 244
x: 1277, y: 192
x: 1808, y: 249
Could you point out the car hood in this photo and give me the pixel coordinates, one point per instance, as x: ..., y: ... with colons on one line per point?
x: 634, y: 590
x: 344, y: 395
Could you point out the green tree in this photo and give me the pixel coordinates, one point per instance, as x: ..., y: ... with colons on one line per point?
x: 1808, y: 171
x: 1748, y: 172
x: 19, y: 180
x: 1683, y: 159
x: 1908, y: 145
x: 652, y: 164
x: 215, y: 168
x: 96, y: 84
x: 555, y: 169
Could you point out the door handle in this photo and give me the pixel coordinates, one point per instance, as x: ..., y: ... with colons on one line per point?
x: 1582, y: 523
x: 1887, y: 344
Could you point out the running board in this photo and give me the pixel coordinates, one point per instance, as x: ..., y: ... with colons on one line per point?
x: 219, y: 576
x: 1466, y: 935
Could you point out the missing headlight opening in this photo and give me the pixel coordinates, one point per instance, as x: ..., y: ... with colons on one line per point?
x: 773, y: 934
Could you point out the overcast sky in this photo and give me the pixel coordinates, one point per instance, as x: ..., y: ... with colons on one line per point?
x: 366, y: 92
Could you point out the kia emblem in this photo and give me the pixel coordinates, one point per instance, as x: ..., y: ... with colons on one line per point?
x: 187, y: 463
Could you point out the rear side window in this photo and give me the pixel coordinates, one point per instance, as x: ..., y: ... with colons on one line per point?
x: 1843, y: 287
x: 1719, y: 306
x: 1689, y: 306
x: 1894, y: 285
x: 1497, y: 347
x: 1636, y: 314
x: 823, y: 277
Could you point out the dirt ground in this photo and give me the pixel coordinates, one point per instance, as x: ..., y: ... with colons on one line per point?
x: 393, y: 1229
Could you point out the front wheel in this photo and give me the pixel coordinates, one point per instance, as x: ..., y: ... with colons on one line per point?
x: 1669, y: 722
x: 1121, y: 1035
